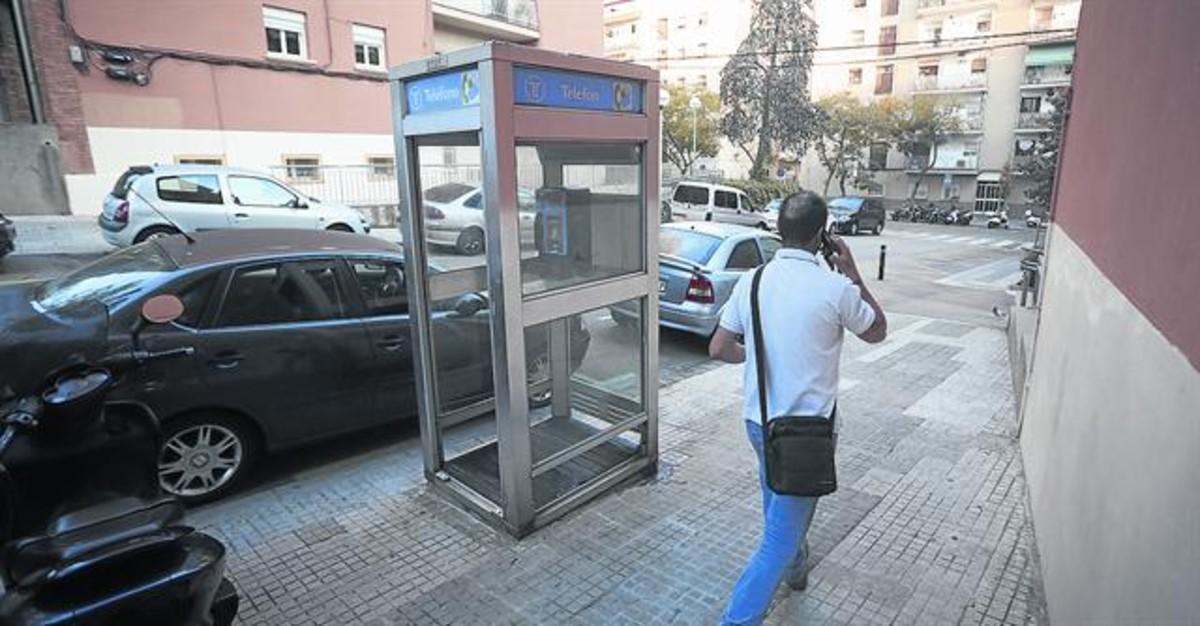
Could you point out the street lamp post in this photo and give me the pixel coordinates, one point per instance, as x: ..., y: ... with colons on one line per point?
x: 694, y: 105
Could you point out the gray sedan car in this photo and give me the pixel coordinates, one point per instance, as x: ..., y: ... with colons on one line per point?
x: 698, y: 265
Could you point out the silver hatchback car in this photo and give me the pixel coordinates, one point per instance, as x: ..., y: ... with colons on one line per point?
x: 698, y: 265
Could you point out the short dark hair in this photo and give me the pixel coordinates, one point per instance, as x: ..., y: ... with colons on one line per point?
x: 801, y: 216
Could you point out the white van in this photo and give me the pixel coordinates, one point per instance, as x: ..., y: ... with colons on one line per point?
x: 709, y: 202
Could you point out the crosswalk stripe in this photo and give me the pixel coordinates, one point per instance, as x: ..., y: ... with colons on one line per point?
x: 1003, y: 244
x: 939, y: 236
x: 958, y: 240
x: 980, y: 241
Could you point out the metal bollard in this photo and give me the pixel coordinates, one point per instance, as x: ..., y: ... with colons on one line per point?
x: 882, y: 259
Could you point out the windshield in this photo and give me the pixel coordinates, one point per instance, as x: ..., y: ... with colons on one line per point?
x: 447, y: 192
x: 687, y: 244
x: 111, y: 280
x: 844, y: 205
x: 773, y: 206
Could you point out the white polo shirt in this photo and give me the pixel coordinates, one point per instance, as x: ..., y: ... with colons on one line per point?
x: 804, y: 308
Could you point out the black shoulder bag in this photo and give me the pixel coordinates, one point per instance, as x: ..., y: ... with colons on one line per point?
x: 798, y: 449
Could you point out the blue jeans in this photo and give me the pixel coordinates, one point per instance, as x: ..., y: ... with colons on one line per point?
x: 781, y: 552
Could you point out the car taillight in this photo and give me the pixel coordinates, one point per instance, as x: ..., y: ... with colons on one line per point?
x: 121, y: 214
x: 433, y: 213
x: 700, y: 290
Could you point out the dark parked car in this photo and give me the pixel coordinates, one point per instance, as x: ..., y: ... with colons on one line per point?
x: 8, y: 235
x: 851, y: 215
x: 298, y: 335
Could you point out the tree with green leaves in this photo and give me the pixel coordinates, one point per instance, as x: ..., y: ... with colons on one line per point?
x: 846, y: 129
x: 765, y: 85
x: 677, y: 119
x: 1039, y: 169
x: 917, y: 128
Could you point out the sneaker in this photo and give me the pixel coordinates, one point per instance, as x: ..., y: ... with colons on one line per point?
x: 800, y: 582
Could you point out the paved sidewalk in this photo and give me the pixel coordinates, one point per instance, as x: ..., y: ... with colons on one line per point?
x: 929, y: 526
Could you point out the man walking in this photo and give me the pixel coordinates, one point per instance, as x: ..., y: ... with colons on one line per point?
x: 804, y: 310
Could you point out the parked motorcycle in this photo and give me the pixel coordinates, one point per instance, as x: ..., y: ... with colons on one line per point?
x: 88, y: 537
x: 997, y: 219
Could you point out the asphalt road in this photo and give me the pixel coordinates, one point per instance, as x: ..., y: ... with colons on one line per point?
x: 952, y: 272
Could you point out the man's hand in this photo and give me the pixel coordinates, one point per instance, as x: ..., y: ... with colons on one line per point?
x: 725, y: 347
x: 843, y: 260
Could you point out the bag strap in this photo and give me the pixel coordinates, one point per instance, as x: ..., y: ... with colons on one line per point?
x: 760, y: 346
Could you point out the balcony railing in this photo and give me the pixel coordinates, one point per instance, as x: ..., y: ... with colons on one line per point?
x: 934, y: 82
x: 1048, y: 75
x: 520, y: 13
x: 937, y: 4
x: 1038, y: 119
x: 945, y: 162
x: 970, y: 120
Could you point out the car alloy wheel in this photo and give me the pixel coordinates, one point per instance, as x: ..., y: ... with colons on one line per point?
x: 471, y: 241
x: 199, y: 460
x: 538, y: 371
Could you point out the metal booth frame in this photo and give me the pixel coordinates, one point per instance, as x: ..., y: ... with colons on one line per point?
x: 501, y: 124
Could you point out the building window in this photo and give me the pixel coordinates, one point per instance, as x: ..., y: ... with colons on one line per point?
x: 702, y: 20
x: 368, y: 47
x: 883, y: 79
x: 858, y: 4
x: 935, y: 35
x: 303, y: 168
x: 858, y: 37
x: 381, y: 166
x: 856, y: 76
x: 877, y: 160
x: 703, y: 80
x: 890, y: 7
x: 610, y: 33
x: 979, y: 66
x: 662, y: 28
x: 450, y: 156
x: 1031, y: 104
x: 633, y: 29
x: 285, y: 33
x: 887, y: 40
x: 984, y: 25
x: 950, y: 190
x: 199, y: 159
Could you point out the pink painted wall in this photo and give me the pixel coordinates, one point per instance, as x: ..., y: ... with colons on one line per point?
x: 1127, y: 190
x: 185, y: 94
x: 191, y: 95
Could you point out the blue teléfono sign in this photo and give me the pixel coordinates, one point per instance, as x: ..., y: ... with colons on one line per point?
x: 572, y: 90
x: 443, y: 92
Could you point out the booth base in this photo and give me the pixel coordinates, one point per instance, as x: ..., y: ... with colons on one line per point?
x: 477, y: 468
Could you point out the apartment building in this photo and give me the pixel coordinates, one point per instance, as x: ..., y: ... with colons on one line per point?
x: 688, y: 43
x: 291, y: 86
x: 994, y: 62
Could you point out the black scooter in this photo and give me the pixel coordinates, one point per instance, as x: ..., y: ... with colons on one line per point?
x: 88, y: 536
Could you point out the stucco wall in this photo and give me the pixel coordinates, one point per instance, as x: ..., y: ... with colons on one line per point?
x: 1111, y: 417
x: 1111, y: 444
x: 31, y: 171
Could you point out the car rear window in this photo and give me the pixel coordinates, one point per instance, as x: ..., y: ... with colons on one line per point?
x: 691, y: 194
x: 125, y: 181
x: 688, y: 244
x: 447, y: 192
x: 194, y: 188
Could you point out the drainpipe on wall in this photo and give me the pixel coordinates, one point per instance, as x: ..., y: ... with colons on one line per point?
x: 31, y: 84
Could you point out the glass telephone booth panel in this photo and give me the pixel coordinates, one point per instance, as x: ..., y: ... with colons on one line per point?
x: 529, y: 216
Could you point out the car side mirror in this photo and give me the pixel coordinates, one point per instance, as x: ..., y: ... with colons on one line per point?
x: 160, y: 309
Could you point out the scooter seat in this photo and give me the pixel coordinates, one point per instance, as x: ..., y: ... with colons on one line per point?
x: 89, y: 528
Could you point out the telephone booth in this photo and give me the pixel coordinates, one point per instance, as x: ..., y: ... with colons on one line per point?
x: 529, y: 182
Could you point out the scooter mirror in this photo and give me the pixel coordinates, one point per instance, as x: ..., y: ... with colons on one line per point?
x: 162, y: 309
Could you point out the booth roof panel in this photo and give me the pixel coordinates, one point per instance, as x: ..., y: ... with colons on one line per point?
x: 520, y: 55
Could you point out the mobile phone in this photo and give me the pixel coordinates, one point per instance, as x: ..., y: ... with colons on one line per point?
x: 826, y: 247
